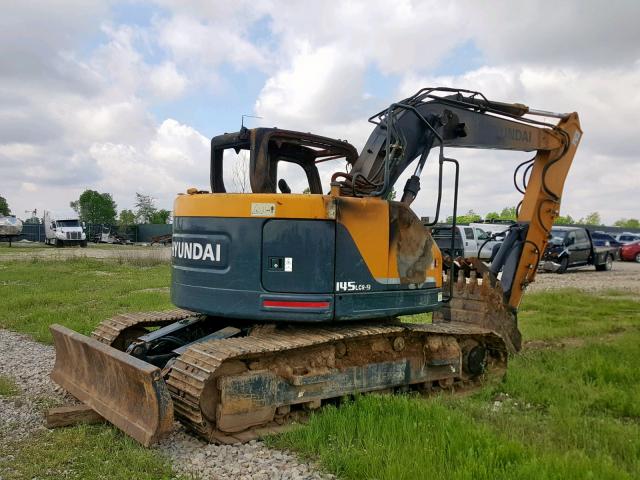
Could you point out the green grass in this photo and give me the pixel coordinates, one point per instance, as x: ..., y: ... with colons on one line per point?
x: 84, y: 453
x: 77, y: 293
x: 570, y: 313
x: 560, y: 413
x: 8, y: 386
x: 573, y: 313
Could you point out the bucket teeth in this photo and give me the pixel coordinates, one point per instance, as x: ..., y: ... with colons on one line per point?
x: 478, y: 299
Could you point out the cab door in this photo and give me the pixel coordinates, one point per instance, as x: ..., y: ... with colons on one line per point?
x: 582, y: 247
x: 470, y: 243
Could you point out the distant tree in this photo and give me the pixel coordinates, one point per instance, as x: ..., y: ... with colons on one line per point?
x: 628, y: 223
x: 160, y: 217
x: 126, y: 218
x: 469, y: 217
x: 95, y: 207
x: 4, y: 206
x: 145, y: 208
x: 592, y: 219
x: 508, y: 213
x: 306, y: 191
x: 564, y: 220
x: 33, y: 220
x: 240, y: 173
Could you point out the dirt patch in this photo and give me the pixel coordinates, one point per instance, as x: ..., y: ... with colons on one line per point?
x: 149, y: 290
x: 573, y: 342
x: 122, y: 254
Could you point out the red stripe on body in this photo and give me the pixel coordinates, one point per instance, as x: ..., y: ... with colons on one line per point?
x: 293, y: 304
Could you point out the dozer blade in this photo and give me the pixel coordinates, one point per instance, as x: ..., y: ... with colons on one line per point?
x: 126, y: 391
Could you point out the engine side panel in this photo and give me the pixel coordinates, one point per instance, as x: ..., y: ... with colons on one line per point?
x: 311, y: 243
x: 340, y: 259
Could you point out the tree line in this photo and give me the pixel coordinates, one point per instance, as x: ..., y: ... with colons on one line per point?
x: 100, y: 208
x: 509, y: 213
x: 95, y: 207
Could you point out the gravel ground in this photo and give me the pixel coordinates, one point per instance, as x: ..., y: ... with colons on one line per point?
x: 29, y: 364
x: 624, y: 276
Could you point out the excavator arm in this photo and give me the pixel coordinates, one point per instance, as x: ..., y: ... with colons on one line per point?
x: 407, y: 131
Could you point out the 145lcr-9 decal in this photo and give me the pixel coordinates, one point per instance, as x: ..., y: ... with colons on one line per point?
x: 352, y: 287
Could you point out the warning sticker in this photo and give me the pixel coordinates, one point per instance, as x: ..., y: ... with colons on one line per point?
x: 263, y: 209
x: 288, y: 264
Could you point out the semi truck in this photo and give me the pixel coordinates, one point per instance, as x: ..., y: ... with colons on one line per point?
x: 63, y: 231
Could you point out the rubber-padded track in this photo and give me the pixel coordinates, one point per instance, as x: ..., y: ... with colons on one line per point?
x: 109, y: 330
x: 188, y: 375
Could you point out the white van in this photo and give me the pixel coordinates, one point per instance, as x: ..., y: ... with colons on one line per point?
x: 63, y: 231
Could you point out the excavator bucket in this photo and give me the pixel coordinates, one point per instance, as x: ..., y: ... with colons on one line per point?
x: 478, y: 298
x: 126, y: 391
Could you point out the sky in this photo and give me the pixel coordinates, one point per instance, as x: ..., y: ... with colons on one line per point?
x: 124, y: 96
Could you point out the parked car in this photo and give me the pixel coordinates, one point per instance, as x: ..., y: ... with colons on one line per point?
x: 467, y: 242
x: 631, y: 251
x: 603, y: 239
x: 627, y: 237
x: 442, y: 236
x: 497, y: 231
x: 571, y: 247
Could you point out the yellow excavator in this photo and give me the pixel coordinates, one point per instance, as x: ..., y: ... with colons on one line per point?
x: 286, y: 301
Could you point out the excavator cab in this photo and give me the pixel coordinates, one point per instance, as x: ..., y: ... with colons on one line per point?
x: 268, y: 147
x: 265, y: 256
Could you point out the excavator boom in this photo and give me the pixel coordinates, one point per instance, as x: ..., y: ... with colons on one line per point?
x: 465, y: 119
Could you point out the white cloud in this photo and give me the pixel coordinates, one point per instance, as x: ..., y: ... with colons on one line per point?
x: 320, y: 86
x: 397, y: 39
x: 562, y: 34
x: 166, y: 82
x: 172, y: 160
